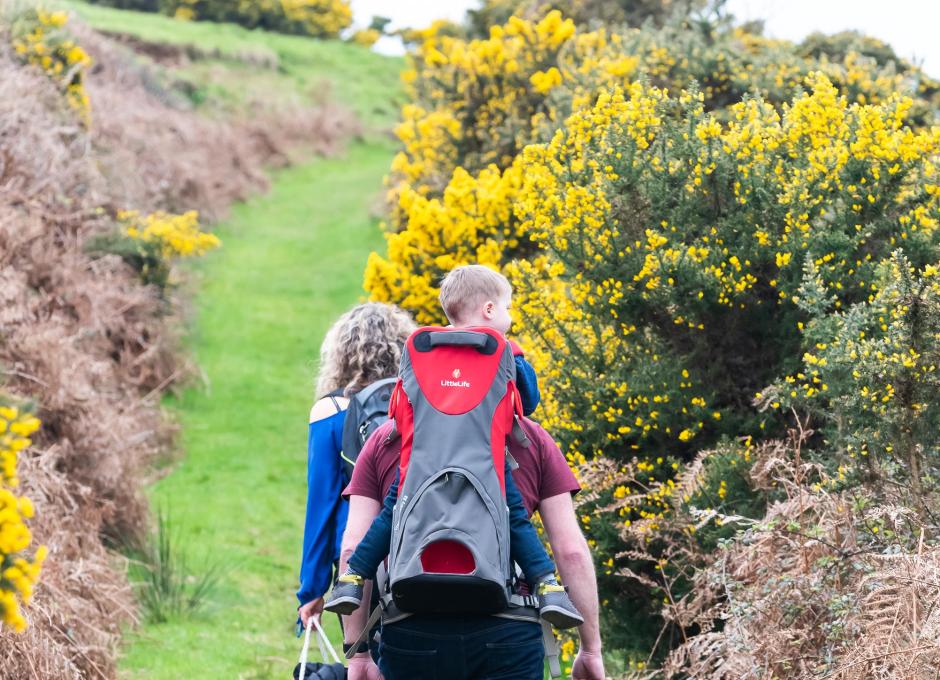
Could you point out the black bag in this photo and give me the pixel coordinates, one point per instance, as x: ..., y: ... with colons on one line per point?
x: 367, y: 411
x: 321, y: 671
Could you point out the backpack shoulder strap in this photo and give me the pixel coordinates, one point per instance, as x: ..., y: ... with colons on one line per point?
x: 364, y: 395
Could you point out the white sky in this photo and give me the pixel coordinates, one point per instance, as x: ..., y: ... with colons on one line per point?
x: 911, y: 27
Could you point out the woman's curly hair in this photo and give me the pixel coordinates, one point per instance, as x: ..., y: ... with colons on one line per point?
x: 364, y: 345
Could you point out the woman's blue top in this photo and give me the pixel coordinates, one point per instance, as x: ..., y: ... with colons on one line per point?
x: 326, y: 509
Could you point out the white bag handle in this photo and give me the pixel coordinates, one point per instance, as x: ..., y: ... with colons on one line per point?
x: 322, y: 640
x: 306, y: 647
x: 325, y: 639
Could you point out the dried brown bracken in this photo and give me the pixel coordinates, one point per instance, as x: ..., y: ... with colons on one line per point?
x: 813, y: 589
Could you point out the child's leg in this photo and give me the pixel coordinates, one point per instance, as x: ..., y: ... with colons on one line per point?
x: 525, y: 548
x: 346, y: 596
x: 374, y: 546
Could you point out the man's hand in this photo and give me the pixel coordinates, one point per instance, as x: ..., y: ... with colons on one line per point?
x: 362, y: 667
x: 312, y: 608
x: 587, y: 666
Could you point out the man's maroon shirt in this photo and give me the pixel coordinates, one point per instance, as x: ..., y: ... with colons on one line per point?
x: 543, y: 471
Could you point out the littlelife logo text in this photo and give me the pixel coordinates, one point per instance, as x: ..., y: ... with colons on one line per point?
x: 455, y: 382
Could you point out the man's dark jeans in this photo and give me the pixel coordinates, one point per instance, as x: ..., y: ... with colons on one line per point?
x: 439, y: 647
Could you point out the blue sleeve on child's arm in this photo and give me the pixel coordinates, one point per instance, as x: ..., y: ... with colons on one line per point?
x: 525, y: 547
x: 324, y: 485
x: 528, y: 384
x: 374, y: 546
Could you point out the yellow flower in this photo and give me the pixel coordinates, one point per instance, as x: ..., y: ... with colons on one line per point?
x: 20, y: 574
x: 173, y: 235
x: 543, y: 81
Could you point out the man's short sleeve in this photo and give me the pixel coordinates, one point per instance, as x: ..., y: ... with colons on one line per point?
x: 557, y: 477
x: 365, y: 478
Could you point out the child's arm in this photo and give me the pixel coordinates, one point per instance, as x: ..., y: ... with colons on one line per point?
x: 374, y: 546
x: 528, y: 384
x: 525, y: 548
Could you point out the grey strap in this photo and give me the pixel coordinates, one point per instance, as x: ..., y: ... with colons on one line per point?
x: 381, y: 581
x: 519, y: 434
x: 363, y: 636
x: 459, y: 338
x: 551, y: 649
x: 363, y: 395
x: 381, y: 578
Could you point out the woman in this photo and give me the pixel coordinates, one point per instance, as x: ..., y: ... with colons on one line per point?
x: 363, y: 346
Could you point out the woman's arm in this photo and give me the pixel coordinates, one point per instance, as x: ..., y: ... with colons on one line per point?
x: 324, y: 484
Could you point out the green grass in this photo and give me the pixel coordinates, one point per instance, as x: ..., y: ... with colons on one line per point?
x: 359, y: 78
x: 291, y: 262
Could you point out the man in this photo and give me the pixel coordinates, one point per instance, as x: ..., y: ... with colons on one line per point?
x: 483, y: 645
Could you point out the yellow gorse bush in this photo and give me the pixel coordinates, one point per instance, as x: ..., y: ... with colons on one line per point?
x: 151, y: 243
x: 679, y: 265
x: 479, y: 120
x: 173, y: 235
x: 18, y: 574
x: 324, y: 18
x: 39, y: 39
x: 462, y: 226
x: 475, y: 104
x: 367, y: 37
x: 663, y: 241
x: 649, y: 233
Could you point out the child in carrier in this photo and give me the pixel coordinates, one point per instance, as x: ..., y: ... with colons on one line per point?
x: 472, y: 296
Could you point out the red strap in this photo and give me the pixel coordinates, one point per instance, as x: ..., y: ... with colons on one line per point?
x: 516, y: 400
x: 516, y: 349
x: 393, y: 401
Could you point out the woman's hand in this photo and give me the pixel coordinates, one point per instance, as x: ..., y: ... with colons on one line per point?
x: 362, y: 667
x: 312, y: 608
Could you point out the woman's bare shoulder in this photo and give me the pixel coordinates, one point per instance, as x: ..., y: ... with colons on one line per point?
x: 324, y: 408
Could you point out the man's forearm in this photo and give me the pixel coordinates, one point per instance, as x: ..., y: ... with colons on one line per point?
x: 573, y: 558
x: 362, y: 511
x: 355, y: 622
x: 577, y: 572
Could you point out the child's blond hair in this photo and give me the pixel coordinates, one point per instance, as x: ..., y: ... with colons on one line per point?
x: 469, y: 286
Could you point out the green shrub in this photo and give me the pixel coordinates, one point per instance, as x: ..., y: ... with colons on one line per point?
x: 166, y: 587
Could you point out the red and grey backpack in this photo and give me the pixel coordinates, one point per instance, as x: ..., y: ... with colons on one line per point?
x: 454, y: 407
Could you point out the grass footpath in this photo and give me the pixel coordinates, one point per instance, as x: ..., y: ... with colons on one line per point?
x: 291, y: 262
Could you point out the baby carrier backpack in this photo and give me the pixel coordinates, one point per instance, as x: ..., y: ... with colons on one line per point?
x: 454, y: 407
